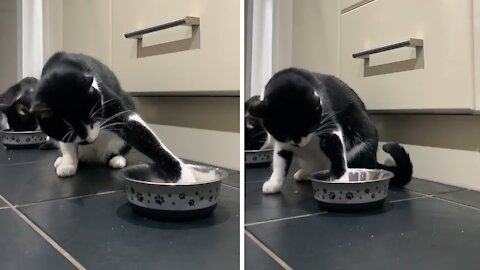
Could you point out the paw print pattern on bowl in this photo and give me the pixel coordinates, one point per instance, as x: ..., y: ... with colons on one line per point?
x: 332, y: 195
x: 349, y: 195
x: 140, y: 197
x: 159, y: 199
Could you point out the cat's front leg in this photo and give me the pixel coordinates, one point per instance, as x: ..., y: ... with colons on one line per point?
x: 333, y: 147
x: 67, y: 164
x: 136, y: 132
x: 281, y: 162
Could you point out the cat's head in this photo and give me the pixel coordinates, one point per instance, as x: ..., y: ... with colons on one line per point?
x: 68, y: 106
x: 290, y: 110
x: 255, y: 133
x: 16, y: 102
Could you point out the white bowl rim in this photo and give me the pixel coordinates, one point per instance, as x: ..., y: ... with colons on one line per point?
x: 6, y: 131
x: 388, y: 175
x: 259, y: 151
x: 223, y: 174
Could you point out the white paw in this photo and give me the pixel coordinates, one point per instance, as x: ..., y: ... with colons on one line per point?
x: 301, y: 175
x: 343, y: 178
x: 117, y: 162
x: 64, y: 170
x: 186, y: 176
x: 271, y: 186
x: 58, y: 162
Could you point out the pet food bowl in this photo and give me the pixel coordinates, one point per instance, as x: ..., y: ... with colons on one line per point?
x: 22, y: 139
x: 365, y: 189
x: 172, y: 201
x: 258, y: 158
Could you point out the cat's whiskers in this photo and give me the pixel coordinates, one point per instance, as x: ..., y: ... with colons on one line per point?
x: 113, y: 116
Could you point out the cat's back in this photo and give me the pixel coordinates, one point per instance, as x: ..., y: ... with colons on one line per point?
x: 339, y: 92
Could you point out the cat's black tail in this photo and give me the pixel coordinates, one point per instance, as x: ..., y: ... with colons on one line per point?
x: 403, y: 169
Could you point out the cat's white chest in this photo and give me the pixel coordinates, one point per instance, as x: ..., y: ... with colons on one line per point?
x: 106, y: 143
x: 311, y: 156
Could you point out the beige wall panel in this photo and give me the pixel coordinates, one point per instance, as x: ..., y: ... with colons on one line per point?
x: 453, y: 167
x: 213, y: 67
x: 8, y: 44
x: 315, y: 39
x: 87, y: 28
x: 446, y: 80
x: 212, y: 147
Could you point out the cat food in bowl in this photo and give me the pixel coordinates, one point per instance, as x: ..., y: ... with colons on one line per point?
x: 258, y: 158
x: 22, y: 139
x: 365, y: 189
x: 157, y: 199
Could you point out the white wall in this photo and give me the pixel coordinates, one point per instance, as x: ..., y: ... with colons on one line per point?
x: 32, y: 38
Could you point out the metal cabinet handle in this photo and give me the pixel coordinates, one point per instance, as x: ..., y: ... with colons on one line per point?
x: 413, y: 42
x: 189, y: 21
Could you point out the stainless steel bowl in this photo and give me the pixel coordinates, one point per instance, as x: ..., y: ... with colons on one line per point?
x: 258, y: 158
x: 172, y: 201
x: 365, y: 189
x: 22, y: 139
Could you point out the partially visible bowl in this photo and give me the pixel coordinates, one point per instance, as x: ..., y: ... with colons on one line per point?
x: 258, y: 158
x: 365, y: 189
x: 22, y: 139
x: 172, y: 201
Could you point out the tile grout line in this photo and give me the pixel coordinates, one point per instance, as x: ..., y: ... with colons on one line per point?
x: 325, y: 212
x: 285, y: 218
x: 44, y: 235
x: 409, y: 199
x: 230, y: 186
x: 269, y: 252
x: 69, y: 198
x: 456, y: 203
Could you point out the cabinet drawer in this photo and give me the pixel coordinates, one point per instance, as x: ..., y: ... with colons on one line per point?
x: 437, y: 77
x: 213, y: 67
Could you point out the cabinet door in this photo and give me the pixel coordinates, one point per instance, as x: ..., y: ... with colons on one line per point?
x: 212, y: 67
x: 438, y: 77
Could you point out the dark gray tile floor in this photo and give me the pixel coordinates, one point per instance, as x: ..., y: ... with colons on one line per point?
x: 414, y: 229
x: 88, y: 216
x: 258, y: 259
x: 23, y: 248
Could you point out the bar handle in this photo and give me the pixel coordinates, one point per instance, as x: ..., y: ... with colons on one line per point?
x: 188, y: 21
x: 412, y: 42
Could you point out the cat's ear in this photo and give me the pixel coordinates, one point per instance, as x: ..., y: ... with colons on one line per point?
x: 41, y: 110
x: 257, y: 108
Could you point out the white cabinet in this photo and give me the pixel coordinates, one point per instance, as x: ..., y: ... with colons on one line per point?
x: 213, y: 66
x: 437, y: 77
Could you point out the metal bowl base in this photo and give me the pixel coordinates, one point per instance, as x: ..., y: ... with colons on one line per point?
x: 346, y: 208
x: 22, y: 146
x: 166, y: 215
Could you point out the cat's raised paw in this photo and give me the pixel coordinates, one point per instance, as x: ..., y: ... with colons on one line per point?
x: 117, y: 162
x: 301, y: 175
x: 58, y: 162
x: 186, y: 175
x: 65, y: 170
x: 270, y: 187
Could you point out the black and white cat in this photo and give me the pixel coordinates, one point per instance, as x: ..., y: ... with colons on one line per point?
x: 256, y: 137
x: 80, y: 103
x: 312, y: 116
x: 15, y: 104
